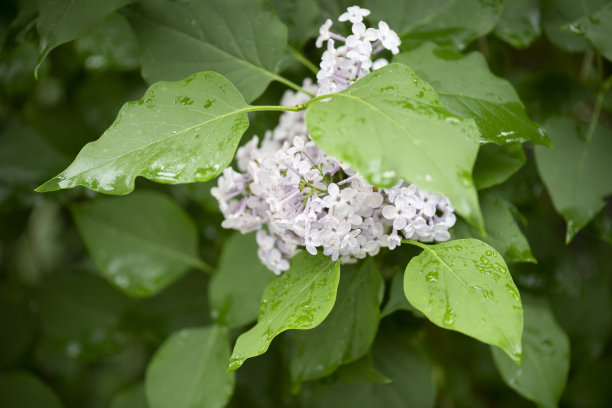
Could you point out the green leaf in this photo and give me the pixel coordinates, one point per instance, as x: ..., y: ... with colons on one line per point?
x: 391, y: 125
x: 397, y: 299
x: 349, y: 330
x: 140, y: 243
x: 299, y: 299
x: 189, y: 370
x: 597, y: 27
x: 558, y: 13
x: 237, y: 285
x: 80, y: 314
x: 133, y: 397
x: 408, y: 368
x: 241, y: 39
x: 110, y: 46
x: 464, y: 285
x: 469, y: 89
x: 449, y: 22
x: 359, y: 371
x: 22, y: 389
x: 576, y: 172
x: 503, y: 233
x: 496, y: 163
x: 179, y: 132
x: 61, y: 21
x: 302, y: 18
x: 519, y: 24
x: 542, y: 375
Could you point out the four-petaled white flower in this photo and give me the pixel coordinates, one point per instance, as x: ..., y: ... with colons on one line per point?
x: 324, y: 33
x: 354, y: 14
x: 388, y: 37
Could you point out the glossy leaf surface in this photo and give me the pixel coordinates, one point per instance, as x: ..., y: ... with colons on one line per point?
x: 575, y: 173
x: 469, y: 89
x: 349, y: 330
x: 556, y: 14
x: 597, y: 27
x: 241, y: 39
x: 237, y: 285
x: 140, y: 243
x: 464, y: 285
x: 61, y: 21
x: 189, y: 370
x: 391, y: 125
x: 179, y: 132
x: 301, y: 298
x: 542, y: 375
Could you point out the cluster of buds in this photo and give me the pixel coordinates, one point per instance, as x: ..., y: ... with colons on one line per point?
x: 298, y: 198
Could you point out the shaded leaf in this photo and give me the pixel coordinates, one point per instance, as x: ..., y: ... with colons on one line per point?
x: 597, y: 27
x: 140, y: 243
x: 576, y: 172
x: 503, y: 233
x: 496, y: 163
x: 542, y: 375
x: 349, y: 330
x: 302, y: 18
x: 241, y: 39
x: 449, y: 22
x: 464, y: 285
x: 558, y: 13
x: 469, y: 89
x: 519, y: 24
x: 61, y: 21
x: 189, y: 370
x: 21, y: 389
x: 391, y: 125
x: 133, y: 397
x: 179, y: 132
x: 237, y: 285
x: 397, y: 299
x: 299, y: 299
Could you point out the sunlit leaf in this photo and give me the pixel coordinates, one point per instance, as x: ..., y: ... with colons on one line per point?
x: 299, y: 299
x: 179, y: 132
x: 391, y: 125
x: 464, y: 285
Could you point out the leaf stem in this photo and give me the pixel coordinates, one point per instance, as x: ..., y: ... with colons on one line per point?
x: 290, y: 84
x: 605, y: 86
x: 256, y: 108
x: 302, y: 59
x: 415, y: 243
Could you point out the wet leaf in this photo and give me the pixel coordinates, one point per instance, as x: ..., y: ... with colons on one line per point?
x: 237, y: 285
x: 558, y: 13
x: 576, y: 173
x: 241, y: 39
x: 542, y: 375
x: 179, y: 132
x: 299, y: 299
x: 597, y: 27
x: 189, y: 370
x: 468, y: 88
x: 464, y: 285
x: 391, y: 125
x: 140, y: 243
x: 349, y: 330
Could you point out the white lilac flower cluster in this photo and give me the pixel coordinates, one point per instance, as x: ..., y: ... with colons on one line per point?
x: 296, y: 197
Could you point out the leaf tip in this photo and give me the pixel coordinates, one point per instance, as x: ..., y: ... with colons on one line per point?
x: 48, y: 186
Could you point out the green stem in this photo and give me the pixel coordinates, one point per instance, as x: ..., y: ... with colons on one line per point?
x: 415, y: 243
x: 290, y: 84
x: 257, y: 108
x: 301, y: 58
x: 605, y: 86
